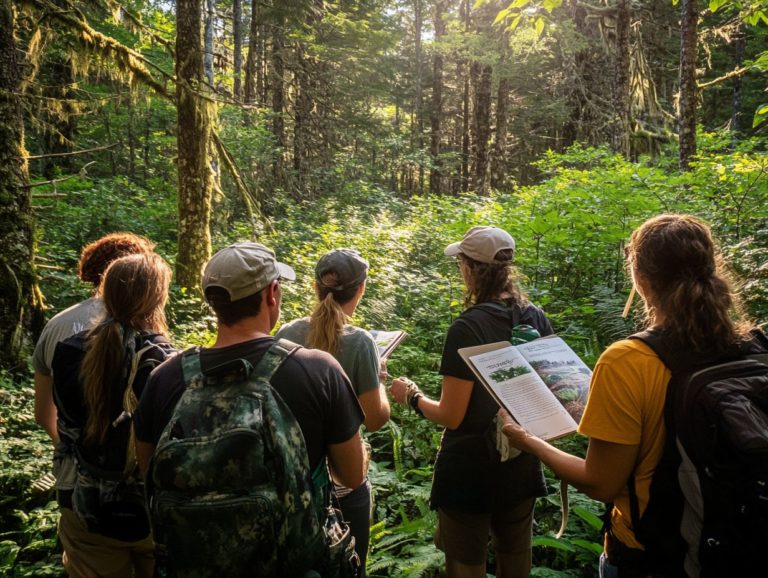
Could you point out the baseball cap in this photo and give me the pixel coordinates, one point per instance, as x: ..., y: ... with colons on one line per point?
x: 348, y: 266
x: 482, y: 243
x: 244, y: 269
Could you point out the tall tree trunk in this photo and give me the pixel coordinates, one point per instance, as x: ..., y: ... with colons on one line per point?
x: 193, y: 138
x: 18, y: 291
x: 482, y: 128
x: 436, y: 117
x: 210, y: 22
x: 465, y: 10
x: 621, y: 91
x: 302, y: 109
x: 278, y: 98
x: 689, y: 15
x: 237, y: 38
x: 499, y: 160
x: 738, y: 83
x: 418, y: 107
x: 252, y: 58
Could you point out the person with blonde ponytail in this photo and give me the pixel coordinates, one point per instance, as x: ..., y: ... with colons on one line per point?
x: 98, y: 377
x: 692, y: 305
x: 340, y: 277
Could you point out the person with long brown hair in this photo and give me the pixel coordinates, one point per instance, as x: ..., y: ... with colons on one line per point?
x: 690, y: 300
x: 99, y: 375
x: 479, y: 489
x: 340, y: 277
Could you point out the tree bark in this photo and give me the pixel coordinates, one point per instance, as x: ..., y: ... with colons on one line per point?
x: 498, y: 162
x: 210, y: 21
x: 482, y: 128
x: 252, y: 59
x: 738, y: 82
x: 687, y: 108
x: 418, y: 127
x: 436, y: 116
x: 621, y: 90
x: 278, y: 98
x: 193, y: 139
x: 19, y: 302
x: 237, y: 57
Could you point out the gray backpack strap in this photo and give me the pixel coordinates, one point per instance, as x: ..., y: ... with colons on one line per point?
x: 281, y: 350
x: 190, y: 365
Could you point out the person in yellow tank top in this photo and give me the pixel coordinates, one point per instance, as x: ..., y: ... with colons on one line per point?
x: 687, y: 294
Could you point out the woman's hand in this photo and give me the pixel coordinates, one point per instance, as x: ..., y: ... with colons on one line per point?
x: 399, y: 389
x: 516, y: 434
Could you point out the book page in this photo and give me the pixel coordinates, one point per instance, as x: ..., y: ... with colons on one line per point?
x: 387, y: 341
x: 513, y: 382
x: 566, y: 375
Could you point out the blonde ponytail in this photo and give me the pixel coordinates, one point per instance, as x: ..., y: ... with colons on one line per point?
x: 326, y: 325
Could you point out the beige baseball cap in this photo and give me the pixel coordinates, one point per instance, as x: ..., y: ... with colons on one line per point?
x: 482, y: 243
x: 244, y: 269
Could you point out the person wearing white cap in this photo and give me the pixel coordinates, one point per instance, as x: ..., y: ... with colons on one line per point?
x: 340, y: 277
x: 477, y: 490
x: 242, y: 285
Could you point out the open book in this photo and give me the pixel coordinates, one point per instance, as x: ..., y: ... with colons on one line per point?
x: 387, y: 341
x: 543, y: 384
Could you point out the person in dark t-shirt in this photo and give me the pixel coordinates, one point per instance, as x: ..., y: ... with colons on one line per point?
x: 477, y: 489
x: 242, y: 285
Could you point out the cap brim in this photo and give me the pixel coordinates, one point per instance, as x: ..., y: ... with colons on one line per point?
x: 286, y: 272
x: 452, y: 249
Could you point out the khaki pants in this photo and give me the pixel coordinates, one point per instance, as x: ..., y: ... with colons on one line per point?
x: 89, y: 555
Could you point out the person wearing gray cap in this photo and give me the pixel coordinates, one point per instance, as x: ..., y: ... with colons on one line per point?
x: 477, y: 490
x: 340, y: 277
x: 242, y: 285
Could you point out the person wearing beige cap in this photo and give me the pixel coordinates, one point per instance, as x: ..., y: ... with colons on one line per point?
x: 241, y: 283
x: 340, y: 277
x: 477, y: 490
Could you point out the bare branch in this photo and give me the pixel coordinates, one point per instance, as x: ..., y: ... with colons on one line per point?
x: 732, y: 74
x: 81, y: 152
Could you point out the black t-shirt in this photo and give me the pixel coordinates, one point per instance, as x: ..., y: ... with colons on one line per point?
x: 311, y: 382
x: 468, y: 474
x: 70, y: 402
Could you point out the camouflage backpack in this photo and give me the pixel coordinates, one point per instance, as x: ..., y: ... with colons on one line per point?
x: 229, y: 487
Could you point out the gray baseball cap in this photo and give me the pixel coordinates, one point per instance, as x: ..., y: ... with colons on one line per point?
x: 348, y: 266
x: 244, y: 269
x: 482, y: 243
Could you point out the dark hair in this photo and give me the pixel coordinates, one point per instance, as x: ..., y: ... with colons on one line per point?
x: 230, y: 312
x: 96, y: 256
x: 676, y: 256
x: 487, y: 281
x: 134, y: 292
x: 326, y: 324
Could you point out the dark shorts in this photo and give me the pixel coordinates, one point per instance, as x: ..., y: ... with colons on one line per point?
x: 464, y: 536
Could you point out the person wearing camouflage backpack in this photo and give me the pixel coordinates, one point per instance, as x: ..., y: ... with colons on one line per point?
x: 227, y: 436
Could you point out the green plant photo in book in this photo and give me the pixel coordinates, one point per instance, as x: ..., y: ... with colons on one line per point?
x: 543, y: 384
x: 387, y: 341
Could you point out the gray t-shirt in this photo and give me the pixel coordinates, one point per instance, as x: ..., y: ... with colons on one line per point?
x: 357, y: 355
x: 65, y: 324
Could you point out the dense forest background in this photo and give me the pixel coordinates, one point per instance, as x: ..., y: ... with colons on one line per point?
x: 390, y: 126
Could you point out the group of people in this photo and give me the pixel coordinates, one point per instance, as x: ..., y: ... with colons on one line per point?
x: 102, y: 400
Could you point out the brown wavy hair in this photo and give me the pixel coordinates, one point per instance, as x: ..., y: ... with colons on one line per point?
x: 487, y: 281
x: 691, y: 290
x: 326, y: 324
x: 134, y: 292
x: 96, y: 256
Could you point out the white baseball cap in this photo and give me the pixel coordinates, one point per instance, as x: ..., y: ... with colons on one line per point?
x: 482, y: 244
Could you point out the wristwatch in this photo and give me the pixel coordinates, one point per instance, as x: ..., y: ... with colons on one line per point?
x: 415, y: 403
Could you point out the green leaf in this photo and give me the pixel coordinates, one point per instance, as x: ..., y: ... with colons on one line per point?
x: 589, y: 517
x: 714, y: 5
x: 550, y: 5
x: 519, y: 3
x: 539, y: 26
x: 760, y: 115
x: 502, y: 15
x: 515, y: 22
x: 548, y: 542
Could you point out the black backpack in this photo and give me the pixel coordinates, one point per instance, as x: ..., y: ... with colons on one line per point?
x: 716, y: 416
x: 108, y: 497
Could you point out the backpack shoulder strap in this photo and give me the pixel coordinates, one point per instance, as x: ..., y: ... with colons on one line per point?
x: 655, y: 340
x: 190, y: 364
x: 281, y: 350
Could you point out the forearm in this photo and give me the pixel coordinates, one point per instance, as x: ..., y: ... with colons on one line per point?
x: 436, y: 413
